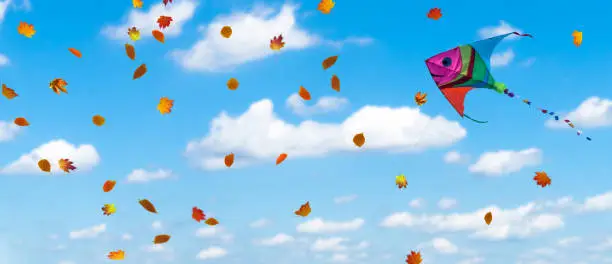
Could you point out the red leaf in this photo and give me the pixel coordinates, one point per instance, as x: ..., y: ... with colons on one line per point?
x: 197, y: 214
x: 167, y: 1
x: 434, y: 13
x: 164, y: 21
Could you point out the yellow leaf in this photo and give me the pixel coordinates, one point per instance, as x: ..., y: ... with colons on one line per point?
x: 165, y: 105
x: 26, y: 29
x: 134, y: 33
x: 116, y: 255
x: 325, y: 6
x: 401, y: 181
x: 577, y: 38
x: 137, y: 3
x: 109, y: 209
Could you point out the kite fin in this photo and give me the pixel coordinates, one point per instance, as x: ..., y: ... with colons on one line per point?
x: 477, y: 121
x: 456, y: 97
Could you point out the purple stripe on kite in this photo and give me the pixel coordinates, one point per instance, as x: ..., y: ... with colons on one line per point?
x: 522, y: 35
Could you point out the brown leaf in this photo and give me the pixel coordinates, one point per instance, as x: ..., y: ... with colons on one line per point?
x: 147, y: 205
x: 282, y: 157
x: 226, y: 31
x: 232, y: 84
x: 211, y: 221
x: 20, y: 121
x: 335, y: 83
x: 109, y: 185
x: 359, y: 140
x: 160, y: 239
x: 488, y: 218
x: 8, y: 92
x: 305, y: 94
x: 304, y: 210
x: 130, y: 51
x: 229, y: 160
x: 329, y: 62
x: 44, y: 165
x: 98, y: 120
x: 140, y: 71
x: 75, y: 52
x: 158, y: 35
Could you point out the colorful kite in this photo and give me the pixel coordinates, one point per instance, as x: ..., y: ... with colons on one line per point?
x: 461, y: 69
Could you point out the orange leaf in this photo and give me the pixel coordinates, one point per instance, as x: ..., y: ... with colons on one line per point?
x: 304, y: 210
x: 164, y: 21
x: 435, y: 13
x: 305, y: 94
x: 140, y: 71
x: 229, y: 160
x: 325, y: 6
x: 232, y: 84
x: 8, y: 92
x: 282, y: 157
x: 330, y: 61
x: 44, y: 165
x: 277, y: 43
x: 165, y: 105
x: 75, y: 52
x: 26, y: 29
x: 226, y: 32
x: 420, y: 98
x: 414, y: 258
x: 211, y: 221
x: 160, y: 239
x: 359, y: 139
x: 109, y: 185
x: 577, y: 38
x: 488, y: 218
x: 58, y: 85
x: 147, y: 205
x: 197, y: 214
x: 66, y: 165
x: 542, y: 179
x: 20, y: 121
x: 116, y: 255
x: 98, y: 120
x: 335, y: 83
x: 130, y: 51
x: 158, y: 35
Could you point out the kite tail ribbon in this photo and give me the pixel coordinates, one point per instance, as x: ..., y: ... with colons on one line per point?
x: 477, y: 121
x: 522, y: 35
x: 546, y: 112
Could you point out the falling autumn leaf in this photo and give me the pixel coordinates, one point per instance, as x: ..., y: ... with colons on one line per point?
x: 165, y: 105
x: 542, y: 179
x: 197, y: 214
x: 400, y: 181
x: 109, y: 185
x: 335, y: 83
x: 98, y: 120
x: 167, y: 1
x: 66, y: 165
x: 44, y: 165
x: 232, y: 84
x: 161, y: 239
x: 137, y: 3
x: 304, y: 210
x: 330, y: 61
x: 305, y: 94
x: 22, y: 122
x: 282, y: 157
x: 147, y: 205
x: 434, y: 13
x: 140, y: 71
x: 134, y: 33
x: 58, y: 85
x: 488, y: 218
x: 325, y: 6
x: 414, y: 258
x: 420, y: 98
x: 164, y: 21
x: 130, y: 51
x: 75, y: 52
x: 577, y: 38
x: 158, y: 35
x: 229, y: 160
x: 116, y: 255
x: 277, y: 43
x: 226, y: 31
x: 211, y: 221
x: 109, y: 209
x: 26, y: 29
x: 8, y: 92
x: 359, y: 139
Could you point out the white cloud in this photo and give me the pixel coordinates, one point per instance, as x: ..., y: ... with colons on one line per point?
x: 345, y: 199
x: 4, y: 60
x: 3, y: 8
x: 473, y: 260
x: 318, y: 225
x: 339, y: 257
x: 278, y: 239
x: 568, y: 241
x: 157, y: 225
x: 502, y: 58
x: 212, y: 253
x: 362, y: 245
x: 417, y: 203
x: 502, y: 28
x: 146, y: 21
x: 591, y: 113
x: 520, y: 222
x: 597, y: 203
x: 447, y: 203
x: 208, y: 231
x: 258, y: 134
x: 324, y: 105
x: 329, y: 244
x: 8, y: 131
x: 154, y: 248
x: 506, y: 161
x: 90, y: 232
x: 359, y: 41
x: 126, y: 236
x: 259, y: 223
x: 66, y: 262
x: 444, y: 246
x: 455, y: 157
x: 85, y: 157
x: 141, y: 175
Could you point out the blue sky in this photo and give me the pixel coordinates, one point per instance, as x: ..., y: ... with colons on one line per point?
x: 456, y: 170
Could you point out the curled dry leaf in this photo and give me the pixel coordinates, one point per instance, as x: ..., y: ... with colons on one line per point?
x: 414, y: 258
x: 98, y: 120
x: 542, y: 179
x: 147, y: 205
x: 66, y: 165
x: 75, y: 52
x: 304, y: 210
x: 158, y: 35
x: 229, y: 160
x: 305, y: 94
x: 488, y: 218
x: 22, y: 122
x: 197, y: 214
x: 130, y: 51
x: 44, y: 165
x: 8, y: 92
x: 335, y: 83
x: 165, y: 105
x: 116, y: 255
x: 282, y: 157
x: 211, y: 221
x: 140, y: 71
x: 109, y: 185
x: 109, y: 209
x: 226, y: 31
x: 133, y: 33
x: 58, y: 85
x: 232, y: 84
x: 161, y: 239
x: 359, y: 139
x: 330, y: 61
x: 26, y: 29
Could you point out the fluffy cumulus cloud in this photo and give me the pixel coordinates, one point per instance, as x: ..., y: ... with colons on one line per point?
x: 503, y: 28
x: 345, y: 199
x: 444, y: 245
x: 8, y: 131
x: 212, y: 253
x: 278, y: 239
x: 502, y: 58
x: 447, y: 203
x: 4, y: 60
x: 324, y: 105
x: 329, y: 244
x: 89, y: 232
x: 597, y: 203
x: 259, y: 223
x: 417, y: 203
x: 141, y: 175
x: 455, y: 157
x: 506, y: 161
x: 592, y: 112
x: 146, y: 21
x: 85, y: 157
x: 259, y: 134
x: 318, y: 225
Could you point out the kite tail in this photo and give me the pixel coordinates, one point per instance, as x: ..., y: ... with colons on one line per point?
x: 522, y: 35
x: 546, y: 112
x: 477, y: 121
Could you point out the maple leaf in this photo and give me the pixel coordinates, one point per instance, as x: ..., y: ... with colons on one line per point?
x: 167, y: 1
x: 400, y: 181
x: 197, y: 214
x: 26, y: 29
x: 325, y: 6
x: 577, y: 38
x: 165, y: 105
x: 137, y: 3
x: 133, y: 33
x: 109, y: 185
x: 116, y: 255
x: 109, y: 209
x: 164, y: 21
x: 420, y: 98
x: 304, y: 210
x: 66, y: 165
x: 211, y: 221
x: 58, y: 85
x: 226, y: 31
x: 542, y: 179
x: 8, y: 92
x: 435, y: 13
x: 359, y: 139
x: 277, y: 43
x: 414, y: 258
